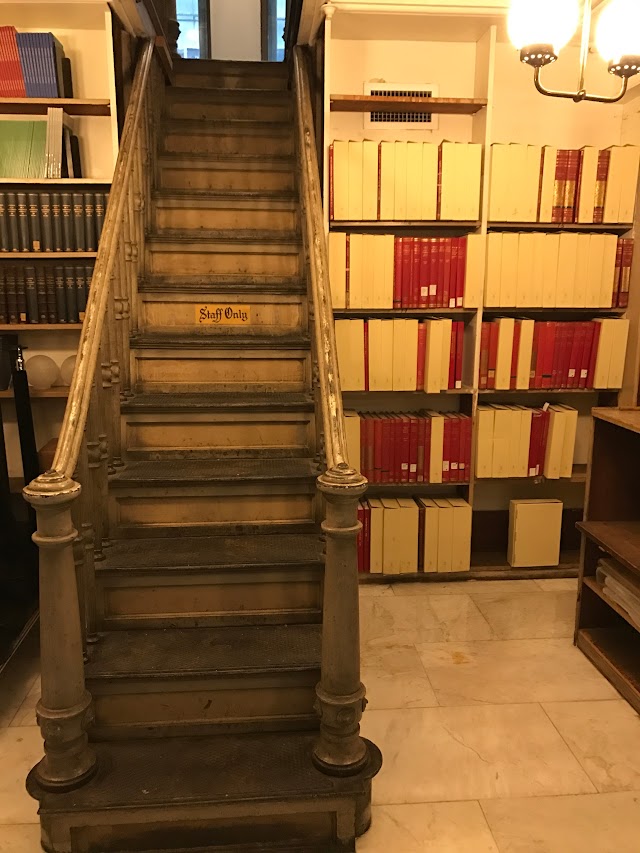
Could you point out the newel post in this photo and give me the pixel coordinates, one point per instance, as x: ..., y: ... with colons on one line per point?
x: 64, y: 709
x: 340, y: 694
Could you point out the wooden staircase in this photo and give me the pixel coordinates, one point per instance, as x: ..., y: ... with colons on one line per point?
x: 208, y: 664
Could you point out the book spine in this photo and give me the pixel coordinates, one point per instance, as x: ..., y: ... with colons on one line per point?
x: 4, y: 227
x: 61, y: 300
x: 404, y: 444
x: 415, y: 272
x: 446, y: 451
x: 593, y: 353
x: 493, y: 355
x: 366, y: 354
x: 451, y: 381
x: 98, y: 209
x: 70, y: 295
x: 423, y: 301
x: 548, y: 355
x: 625, y: 272
x: 446, y: 275
x: 602, y: 176
x: 386, y: 450
x: 427, y: 450
x: 453, y: 279
x: 90, y: 242
x: 68, y: 243
x: 4, y: 318
x: 56, y: 222
x: 573, y: 167
x: 558, y: 331
x: 397, y: 271
x: 617, y: 275
x: 407, y: 282
x: 422, y: 351
x: 573, y: 368
x: 12, y: 296
x: 50, y: 290
x: 88, y: 275
x: 462, y: 271
x: 45, y: 217
x: 12, y: 222
x: 41, y: 295
x: 454, y: 456
x: 369, y: 445
x: 459, y: 353
x: 23, y: 222
x: 439, y: 186
x: 467, y: 452
x: 483, y: 376
x: 440, y: 293
x: 35, y: 239
x: 422, y: 426
x: 78, y: 222
x: 30, y: 295
x: 535, y: 429
x: 421, y: 533
x: 557, y: 212
x: 515, y: 351
x: 377, y: 449
x: 81, y: 292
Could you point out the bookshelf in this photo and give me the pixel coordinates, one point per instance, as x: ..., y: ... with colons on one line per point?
x: 467, y: 56
x: 406, y: 104
x: 39, y: 106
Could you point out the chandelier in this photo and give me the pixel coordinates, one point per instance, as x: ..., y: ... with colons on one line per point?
x: 541, y: 28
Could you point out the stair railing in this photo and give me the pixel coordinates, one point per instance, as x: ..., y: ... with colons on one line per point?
x: 71, y: 499
x: 340, y: 694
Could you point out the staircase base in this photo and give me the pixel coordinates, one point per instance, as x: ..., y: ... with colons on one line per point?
x: 224, y: 794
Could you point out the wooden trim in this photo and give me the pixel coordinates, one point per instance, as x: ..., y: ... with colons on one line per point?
x: 406, y: 104
x: 71, y: 106
x: 264, y: 29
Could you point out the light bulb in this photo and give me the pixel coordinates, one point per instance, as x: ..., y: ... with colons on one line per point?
x: 543, y: 22
x: 618, y: 30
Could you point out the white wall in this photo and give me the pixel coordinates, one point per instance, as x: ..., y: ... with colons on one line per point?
x: 235, y: 29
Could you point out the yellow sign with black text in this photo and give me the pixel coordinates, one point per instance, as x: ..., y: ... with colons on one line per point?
x: 225, y: 314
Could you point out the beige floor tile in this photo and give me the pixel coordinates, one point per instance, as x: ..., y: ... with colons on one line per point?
x: 442, y: 754
x: 18, y: 676
x: 459, y: 618
x: 395, y: 678
x: 462, y: 587
x: 20, y: 839
x: 602, y: 823
x: 508, y: 671
x: 532, y: 615
x: 369, y: 590
x: 605, y: 738
x: 428, y: 828
x: 20, y: 749
x: 558, y: 584
x: 26, y: 713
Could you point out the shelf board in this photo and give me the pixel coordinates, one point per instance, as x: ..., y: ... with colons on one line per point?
x: 417, y: 395
x: 595, y: 587
x: 405, y: 104
x: 544, y: 391
x: 496, y: 572
x: 402, y: 489
x: 52, y: 393
x: 556, y: 313
x: 614, y: 651
x: 71, y: 106
x: 427, y: 225
x: 55, y: 182
x: 45, y: 256
x: 40, y: 327
x: 589, y: 227
x: 624, y: 418
x: 401, y: 312
x: 578, y: 475
x: 621, y: 539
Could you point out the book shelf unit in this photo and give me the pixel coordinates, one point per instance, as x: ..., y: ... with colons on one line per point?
x: 466, y: 54
x: 604, y: 631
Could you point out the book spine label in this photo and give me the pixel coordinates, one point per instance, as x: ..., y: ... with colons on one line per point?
x: 33, y: 203
x: 68, y: 243
x: 23, y: 223
x: 31, y: 295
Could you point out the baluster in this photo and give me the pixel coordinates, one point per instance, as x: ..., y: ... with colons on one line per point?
x: 97, y: 472
x: 87, y: 519
x: 115, y: 392
x: 78, y: 560
x: 122, y: 327
x: 64, y: 710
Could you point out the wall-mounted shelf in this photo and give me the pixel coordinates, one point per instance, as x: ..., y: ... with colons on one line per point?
x: 55, y: 182
x: 51, y: 393
x: 71, y: 106
x: 45, y: 256
x: 606, y: 227
x: 543, y: 391
x: 40, y: 327
x: 407, y: 313
x: 554, y: 313
x: 406, y: 104
x: 462, y: 225
x: 416, y: 396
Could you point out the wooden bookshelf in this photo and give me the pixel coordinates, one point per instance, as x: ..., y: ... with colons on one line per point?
x: 71, y: 106
x: 582, y: 227
x: 45, y: 256
x: 413, y: 396
x: 398, y: 226
x: 541, y: 391
x: 409, y: 489
x: 57, y: 393
x: 40, y: 327
x: 406, y: 313
x: 56, y: 182
x: 406, y: 104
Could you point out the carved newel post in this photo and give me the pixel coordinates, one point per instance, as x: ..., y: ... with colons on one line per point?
x: 340, y: 694
x: 64, y: 709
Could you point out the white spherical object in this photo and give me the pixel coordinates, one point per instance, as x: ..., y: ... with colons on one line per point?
x: 42, y: 372
x: 66, y: 369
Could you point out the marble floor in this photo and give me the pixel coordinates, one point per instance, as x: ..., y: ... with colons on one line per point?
x: 498, y: 735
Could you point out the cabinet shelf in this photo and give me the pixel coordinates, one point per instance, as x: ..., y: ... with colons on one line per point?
x: 593, y: 227
x: 50, y: 393
x: 71, y: 106
x: 40, y: 327
x: 462, y: 225
x: 364, y: 313
x: 406, y: 104
x: 621, y: 539
x: 45, y: 256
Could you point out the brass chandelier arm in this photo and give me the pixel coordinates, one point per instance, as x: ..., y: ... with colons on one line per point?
x: 581, y: 95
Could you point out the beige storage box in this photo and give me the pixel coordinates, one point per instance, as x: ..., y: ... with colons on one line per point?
x: 534, y: 533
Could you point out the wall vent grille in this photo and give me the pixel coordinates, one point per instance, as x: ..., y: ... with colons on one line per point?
x: 408, y: 121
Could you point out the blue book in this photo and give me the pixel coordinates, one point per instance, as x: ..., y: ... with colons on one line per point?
x: 48, y: 52
x: 40, y: 56
x: 36, y: 64
x: 26, y: 63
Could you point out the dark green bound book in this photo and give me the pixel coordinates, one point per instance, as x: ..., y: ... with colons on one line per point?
x: 30, y: 294
x: 56, y: 221
x: 23, y: 223
x: 50, y: 288
x: 90, y: 241
x: 81, y: 293
x: 41, y: 294
x: 88, y: 273
x: 12, y: 295
x: 70, y: 295
x: 3, y: 297
x: 33, y: 205
x: 68, y: 243
x: 45, y: 222
x: 99, y: 211
x: 61, y: 301
x: 22, y: 295
x: 4, y: 226
x: 12, y: 219
x: 78, y: 221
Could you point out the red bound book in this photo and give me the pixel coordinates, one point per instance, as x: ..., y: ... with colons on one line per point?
x: 397, y: 271
x: 366, y: 541
x: 369, y: 446
x: 366, y: 355
x: 440, y: 303
x: 377, y: 449
x: 570, y: 193
x: 483, y: 378
x: 405, y: 448
x: 422, y: 350
x: 578, y: 188
x: 397, y: 449
x: 569, y: 337
x: 575, y: 354
x: 446, y: 451
x: 467, y: 451
x: 548, y: 354
x: 593, y: 354
x: 361, y: 537
x: 427, y: 449
x: 557, y: 212
x: 434, y: 260
x: 453, y: 279
x: 585, y: 354
x: 416, y: 268
x: 413, y: 449
x: 602, y: 177
x: 422, y: 435
x: 462, y: 270
x: 407, y: 272
x: 5, y: 73
x: 544, y: 435
x: 514, y: 354
x: 331, y: 191
x: 493, y: 355
x: 446, y: 275
x: 452, y: 357
x: 423, y: 300
x: 363, y: 446
x: 387, y: 455
x: 13, y: 77
x: 392, y: 448
x: 558, y: 335
x: 615, y: 300
x: 421, y: 514
x: 625, y: 272
x: 533, y: 373
x: 536, y: 421
x: 455, y: 454
x: 459, y: 352
x: 347, y: 287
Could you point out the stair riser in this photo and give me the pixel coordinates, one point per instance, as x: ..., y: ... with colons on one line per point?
x: 196, y: 177
x: 189, y: 599
x: 190, y: 508
x: 174, y: 258
x: 231, y: 143
x: 268, y: 217
x: 206, y: 434
x: 184, y: 312
x: 229, y: 80
x: 187, y: 370
x: 250, y: 111
x: 161, y: 706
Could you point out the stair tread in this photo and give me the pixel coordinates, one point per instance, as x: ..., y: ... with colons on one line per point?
x: 189, y: 652
x: 218, y: 401
x: 215, y: 93
x: 225, y: 471
x: 223, y: 126
x: 222, y: 160
x: 215, y: 769
x: 226, y: 235
x: 221, y: 284
x: 206, y: 66
x: 224, y: 195
x: 173, y: 340
x: 215, y: 552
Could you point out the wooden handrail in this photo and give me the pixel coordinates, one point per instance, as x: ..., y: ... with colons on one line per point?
x: 324, y: 330
x: 75, y: 416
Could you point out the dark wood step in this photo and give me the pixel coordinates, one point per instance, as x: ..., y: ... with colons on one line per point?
x: 228, y: 471
x: 212, y: 95
x: 227, y: 127
x: 239, y: 284
x: 151, y: 403
x: 258, y: 238
x: 236, y: 341
x: 228, y: 66
x: 229, y: 161
x: 174, y: 197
